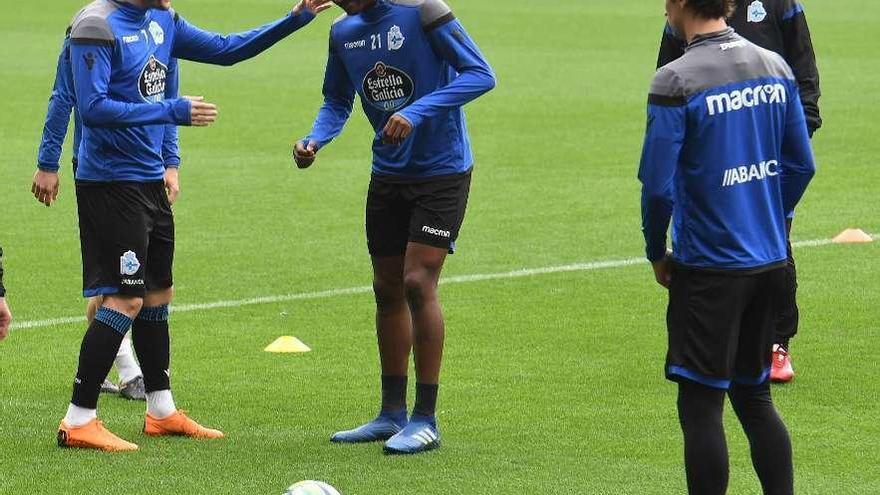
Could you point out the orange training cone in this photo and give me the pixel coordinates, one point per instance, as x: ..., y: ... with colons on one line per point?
x: 853, y: 236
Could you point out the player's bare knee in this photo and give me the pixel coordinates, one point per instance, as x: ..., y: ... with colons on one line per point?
x: 388, y: 294
x: 418, y: 286
x: 129, y: 306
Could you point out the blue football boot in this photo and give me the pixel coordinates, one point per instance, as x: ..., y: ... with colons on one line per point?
x: 420, y: 435
x: 380, y: 429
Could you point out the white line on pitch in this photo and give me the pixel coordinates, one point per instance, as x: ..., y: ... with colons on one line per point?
x: 526, y: 272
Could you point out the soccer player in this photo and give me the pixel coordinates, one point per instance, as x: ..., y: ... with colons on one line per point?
x: 726, y: 157
x: 414, y: 67
x: 61, y: 104
x: 120, y: 53
x: 5, y: 313
x: 780, y: 26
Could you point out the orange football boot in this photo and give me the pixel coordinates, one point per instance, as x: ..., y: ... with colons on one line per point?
x: 178, y: 424
x: 781, y: 371
x: 92, y: 435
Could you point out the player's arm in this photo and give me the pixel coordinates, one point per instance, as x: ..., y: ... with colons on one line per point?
x: 671, y: 47
x: 45, y: 183
x: 334, y: 113
x: 171, y: 141
x: 475, y: 77
x: 92, y: 50
x: 801, y: 57
x: 5, y: 314
x: 198, y: 45
x: 664, y: 138
x: 797, y: 162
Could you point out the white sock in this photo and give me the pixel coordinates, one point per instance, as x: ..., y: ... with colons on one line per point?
x: 79, y: 416
x: 125, y: 363
x: 160, y: 404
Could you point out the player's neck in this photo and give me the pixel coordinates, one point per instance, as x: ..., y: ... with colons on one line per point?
x: 695, y: 27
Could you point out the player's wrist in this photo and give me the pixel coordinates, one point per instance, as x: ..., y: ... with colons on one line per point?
x: 48, y: 168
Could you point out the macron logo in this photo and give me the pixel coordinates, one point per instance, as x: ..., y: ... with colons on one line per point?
x: 437, y: 232
x: 741, y: 175
x: 746, y: 98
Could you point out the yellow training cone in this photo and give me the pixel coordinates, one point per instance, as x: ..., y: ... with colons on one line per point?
x: 287, y: 344
x: 853, y: 236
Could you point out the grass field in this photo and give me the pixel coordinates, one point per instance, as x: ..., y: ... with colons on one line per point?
x: 553, y: 382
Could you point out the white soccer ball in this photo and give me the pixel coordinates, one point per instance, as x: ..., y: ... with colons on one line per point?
x: 311, y: 488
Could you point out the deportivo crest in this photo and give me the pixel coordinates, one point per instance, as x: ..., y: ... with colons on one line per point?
x: 757, y: 12
x: 387, y: 88
x: 129, y: 264
x: 152, y: 81
x: 157, y: 32
x: 395, y: 38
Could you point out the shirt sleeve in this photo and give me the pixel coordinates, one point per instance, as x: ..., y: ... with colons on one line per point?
x: 664, y: 139
x: 797, y: 162
x: 171, y: 141
x: 671, y: 47
x: 91, y: 74
x: 799, y: 54
x: 61, y: 103
x: 339, y: 94
x: 198, y: 45
x: 475, y: 77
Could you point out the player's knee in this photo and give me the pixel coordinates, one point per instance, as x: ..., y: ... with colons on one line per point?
x: 418, y: 286
x: 388, y: 294
x: 130, y: 306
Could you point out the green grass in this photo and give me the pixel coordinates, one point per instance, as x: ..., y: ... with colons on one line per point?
x: 552, y: 384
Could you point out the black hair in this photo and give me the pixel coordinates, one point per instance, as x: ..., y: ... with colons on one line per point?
x: 712, y: 9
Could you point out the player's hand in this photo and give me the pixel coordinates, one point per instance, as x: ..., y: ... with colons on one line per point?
x: 172, y: 184
x: 313, y: 6
x: 201, y: 113
x: 396, y: 130
x: 45, y: 187
x: 5, y: 318
x: 663, y: 271
x: 304, y: 154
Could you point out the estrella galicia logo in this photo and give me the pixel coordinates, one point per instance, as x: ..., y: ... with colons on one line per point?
x: 129, y: 264
x: 89, y: 58
x: 388, y: 88
x: 152, y: 81
x: 757, y: 12
x: 395, y: 38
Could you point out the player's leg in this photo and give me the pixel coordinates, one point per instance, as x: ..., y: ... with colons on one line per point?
x: 434, y: 227
x: 387, y: 225
x: 787, y: 321
x: 113, y: 238
x: 108, y: 387
x: 750, y: 393
x: 700, y: 410
x: 150, y: 330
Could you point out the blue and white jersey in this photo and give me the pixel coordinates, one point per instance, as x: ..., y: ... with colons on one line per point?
x: 412, y: 58
x: 120, y: 56
x: 63, y: 101
x: 726, y: 155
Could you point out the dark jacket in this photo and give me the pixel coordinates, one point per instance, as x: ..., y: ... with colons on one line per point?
x: 779, y: 26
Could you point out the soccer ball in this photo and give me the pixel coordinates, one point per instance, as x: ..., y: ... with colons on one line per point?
x: 311, y: 488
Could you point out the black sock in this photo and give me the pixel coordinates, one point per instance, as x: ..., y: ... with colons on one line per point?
x: 700, y: 411
x: 393, y: 393
x: 97, y: 352
x: 152, y: 343
x: 426, y: 400
x: 768, y: 438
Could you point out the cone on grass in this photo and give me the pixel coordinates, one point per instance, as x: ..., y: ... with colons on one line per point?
x: 853, y: 236
x: 287, y: 344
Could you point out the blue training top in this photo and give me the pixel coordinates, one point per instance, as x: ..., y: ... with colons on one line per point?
x: 413, y: 58
x: 726, y: 155
x: 120, y: 56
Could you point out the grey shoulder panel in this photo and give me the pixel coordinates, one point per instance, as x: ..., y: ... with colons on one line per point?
x: 340, y: 19
x: 666, y: 88
x: 714, y: 65
x: 174, y: 15
x: 91, y: 24
x: 434, y: 13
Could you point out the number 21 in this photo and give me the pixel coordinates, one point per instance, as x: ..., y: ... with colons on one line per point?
x: 376, y: 41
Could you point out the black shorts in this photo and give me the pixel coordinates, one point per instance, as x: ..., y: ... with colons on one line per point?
x: 127, y: 237
x: 426, y: 212
x: 721, y: 326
